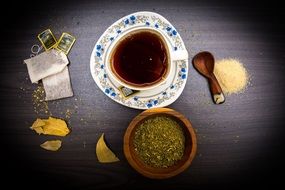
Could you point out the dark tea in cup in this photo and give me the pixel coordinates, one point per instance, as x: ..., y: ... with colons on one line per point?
x: 141, y: 58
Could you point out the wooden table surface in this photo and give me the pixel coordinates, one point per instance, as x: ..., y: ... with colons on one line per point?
x: 240, y: 142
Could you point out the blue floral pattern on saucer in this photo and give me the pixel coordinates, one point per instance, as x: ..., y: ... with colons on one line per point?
x: 167, y: 93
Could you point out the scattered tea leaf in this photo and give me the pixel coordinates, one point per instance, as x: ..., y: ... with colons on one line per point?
x: 104, y: 154
x: 51, y: 145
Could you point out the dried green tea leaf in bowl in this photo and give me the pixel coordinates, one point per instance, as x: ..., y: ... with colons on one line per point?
x: 159, y: 142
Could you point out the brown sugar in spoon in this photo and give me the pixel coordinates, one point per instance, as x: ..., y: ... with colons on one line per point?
x: 204, y: 62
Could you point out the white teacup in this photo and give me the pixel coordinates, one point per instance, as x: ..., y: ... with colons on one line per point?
x: 171, y: 57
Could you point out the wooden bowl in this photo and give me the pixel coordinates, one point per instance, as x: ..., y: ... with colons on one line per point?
x: 153, y: 172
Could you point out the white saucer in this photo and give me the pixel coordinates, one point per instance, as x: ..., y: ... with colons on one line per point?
x: 159, y: 97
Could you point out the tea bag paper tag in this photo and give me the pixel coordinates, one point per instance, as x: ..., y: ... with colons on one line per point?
x: 58, y: 86
x: 127, y: 92
x: 46, y: 64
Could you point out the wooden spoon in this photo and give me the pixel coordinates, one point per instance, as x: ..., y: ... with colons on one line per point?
x: 204, y: 62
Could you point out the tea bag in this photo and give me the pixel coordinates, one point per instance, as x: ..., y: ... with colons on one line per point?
x: 58, y: 86
x: 46, y: 64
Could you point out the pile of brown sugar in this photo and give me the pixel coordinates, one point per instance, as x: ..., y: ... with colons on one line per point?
x: 232, y: 75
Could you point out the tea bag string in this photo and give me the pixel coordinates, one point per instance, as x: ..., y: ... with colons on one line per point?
x: 35, y: 50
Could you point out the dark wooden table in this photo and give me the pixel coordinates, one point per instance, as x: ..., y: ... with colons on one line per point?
x: 240, y: 142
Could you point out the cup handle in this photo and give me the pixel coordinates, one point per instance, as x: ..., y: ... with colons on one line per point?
x: 179, y: 55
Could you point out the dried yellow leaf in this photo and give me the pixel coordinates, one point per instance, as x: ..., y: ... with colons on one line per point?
x: 51, y: 145
x: 51, y: 126
x: 104, y: 154
x: 55, y: 126
x: 37, y: 126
